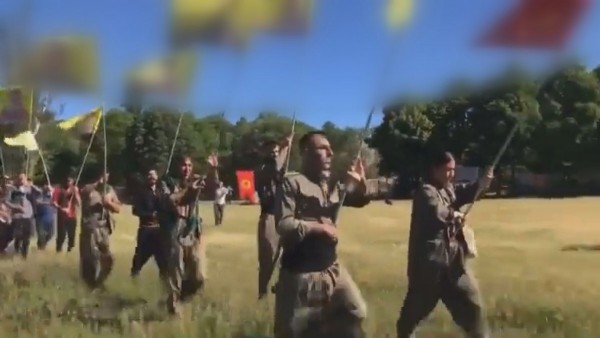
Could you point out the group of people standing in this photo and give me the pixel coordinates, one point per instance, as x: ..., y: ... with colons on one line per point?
x: 27, y: 209
x: 315, y: 295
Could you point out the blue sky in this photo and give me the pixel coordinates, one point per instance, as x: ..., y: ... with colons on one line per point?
x: 331, y: 75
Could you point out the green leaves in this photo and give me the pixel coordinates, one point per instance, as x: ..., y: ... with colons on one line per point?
x: 558, y: 121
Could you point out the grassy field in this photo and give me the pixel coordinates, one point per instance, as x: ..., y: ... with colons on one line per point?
x: 534, y: 282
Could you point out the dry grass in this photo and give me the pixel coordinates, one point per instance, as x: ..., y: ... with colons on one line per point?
x: 532, y: 287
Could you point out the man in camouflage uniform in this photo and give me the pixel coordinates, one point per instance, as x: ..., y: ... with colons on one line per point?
x: 315, y: 295
x: 266, y: 178
x: 436, y: 252
x: 98, y: 202
x: 179, y: 221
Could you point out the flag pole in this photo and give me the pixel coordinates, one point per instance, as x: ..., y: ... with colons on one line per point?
x: 45, y: 167
x: 3, y: 163
x: 385, y: 70
x: 85, y: 156
x: 279, y: 250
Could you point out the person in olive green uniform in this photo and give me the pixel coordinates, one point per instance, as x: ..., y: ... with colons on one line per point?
x: 98, y: 201
x: 436, y: 253
x: 266, y: 178
x: 315, y: 296
x: 180, y: 223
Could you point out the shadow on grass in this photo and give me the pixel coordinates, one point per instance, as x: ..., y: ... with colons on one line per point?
x: 581, y: 247
x: 112, y: 311
x: 54, y: 291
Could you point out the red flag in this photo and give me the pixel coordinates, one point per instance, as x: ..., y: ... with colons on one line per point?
x: 543, y: 24
x: 246, y: 189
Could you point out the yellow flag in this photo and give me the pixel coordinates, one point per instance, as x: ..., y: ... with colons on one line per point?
x: 399, y: 12
x: 276, y: 16
x: 172, y: 74
x: 205, y: 21
x: 247, y: 16
x: 83, y: 124
x: 64, y: 63
x: 25, y: 139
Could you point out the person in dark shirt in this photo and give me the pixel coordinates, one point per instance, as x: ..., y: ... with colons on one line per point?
x: 149, y: 237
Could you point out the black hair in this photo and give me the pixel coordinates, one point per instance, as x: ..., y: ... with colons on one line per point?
x: 439, y: 157
x: 96, y: 171
x: 303, y: 142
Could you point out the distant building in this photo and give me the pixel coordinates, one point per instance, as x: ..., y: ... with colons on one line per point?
x: 466, y: 174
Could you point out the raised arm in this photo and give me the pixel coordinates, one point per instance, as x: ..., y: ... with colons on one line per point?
x: 357, y: 197
x: 211, y: 180
x: 280, y: 161
x: 356, y: 186
x: 465, y: 194
x: 291, y: 229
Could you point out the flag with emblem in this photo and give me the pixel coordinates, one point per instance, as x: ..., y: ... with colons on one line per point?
x: 170, y: 75
x: 398, y: 12
x: 206, y: 21
x: 84, y: 124
x: 540, y: 24
x: 246, y: 188
x: 62, y: 63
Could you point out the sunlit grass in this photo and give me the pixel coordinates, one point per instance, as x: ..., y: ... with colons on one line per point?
x: 532, y: 288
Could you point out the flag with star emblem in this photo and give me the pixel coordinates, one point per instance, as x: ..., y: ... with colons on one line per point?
x: 246, y: 188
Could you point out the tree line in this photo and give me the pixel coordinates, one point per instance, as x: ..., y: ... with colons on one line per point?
x: 557, y: 115
x: 558, y: 129
x: 139, y: 141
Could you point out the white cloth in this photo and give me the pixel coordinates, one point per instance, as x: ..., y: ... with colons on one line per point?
x: 221, y: 196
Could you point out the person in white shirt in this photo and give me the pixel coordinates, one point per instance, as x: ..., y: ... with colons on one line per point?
x: 220, y: 201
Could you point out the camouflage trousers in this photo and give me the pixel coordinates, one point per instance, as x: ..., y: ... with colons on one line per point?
x: 454, y: 285
x: 186, y: 266
x: 318, y: 304
x: 95, y: 259
x: 268, y: 244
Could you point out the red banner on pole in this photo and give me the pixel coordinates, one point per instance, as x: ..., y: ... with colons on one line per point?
x: 246, y: 188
